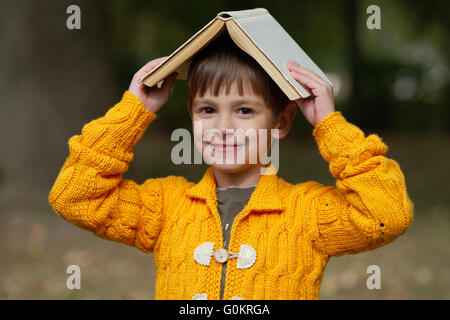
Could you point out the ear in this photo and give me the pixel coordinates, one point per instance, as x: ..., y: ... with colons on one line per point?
x: 285, y: 120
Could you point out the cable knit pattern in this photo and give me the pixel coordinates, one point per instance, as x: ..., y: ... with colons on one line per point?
x: 294, y: 228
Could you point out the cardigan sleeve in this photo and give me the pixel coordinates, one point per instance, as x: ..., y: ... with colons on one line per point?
x: 89, y: 190
x: 369, y: 207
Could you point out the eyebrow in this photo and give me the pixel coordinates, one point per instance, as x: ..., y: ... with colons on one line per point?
x: 233, y: 102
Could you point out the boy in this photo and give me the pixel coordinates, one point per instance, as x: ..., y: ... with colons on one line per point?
x: 237, y: 233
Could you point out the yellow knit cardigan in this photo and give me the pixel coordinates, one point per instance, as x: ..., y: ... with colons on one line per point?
x: 294, y: 228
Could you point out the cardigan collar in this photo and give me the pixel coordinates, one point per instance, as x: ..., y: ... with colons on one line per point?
x: 265, y: 197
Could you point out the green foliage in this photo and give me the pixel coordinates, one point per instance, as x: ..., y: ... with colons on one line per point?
x: 394, y: 74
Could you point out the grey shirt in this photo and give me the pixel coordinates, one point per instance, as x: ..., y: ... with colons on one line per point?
x: 230, y: 202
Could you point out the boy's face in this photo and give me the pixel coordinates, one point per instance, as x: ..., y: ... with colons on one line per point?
x: 248, y: 120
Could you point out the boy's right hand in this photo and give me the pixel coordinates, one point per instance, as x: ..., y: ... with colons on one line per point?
x: 152, y: 98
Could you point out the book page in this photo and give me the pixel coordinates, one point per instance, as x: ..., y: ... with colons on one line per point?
x: 182, y: 74
x: 278, y: 46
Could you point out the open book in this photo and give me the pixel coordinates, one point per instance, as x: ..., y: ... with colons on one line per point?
x: 257, y: 33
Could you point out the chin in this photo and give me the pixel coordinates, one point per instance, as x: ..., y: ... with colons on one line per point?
x: 231, y: 168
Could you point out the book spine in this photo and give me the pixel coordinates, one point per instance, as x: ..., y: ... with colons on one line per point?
x: 226, y: 15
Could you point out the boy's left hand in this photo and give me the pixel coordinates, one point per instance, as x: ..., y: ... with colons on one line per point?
x: 315, y: 108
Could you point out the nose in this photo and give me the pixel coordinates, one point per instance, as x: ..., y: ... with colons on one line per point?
x: 226, y: 127
x: 224, y: 121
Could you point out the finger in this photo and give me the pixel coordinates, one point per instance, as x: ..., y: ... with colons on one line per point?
x: 312, y: 74
x: 301, y: 69
x: 315, y: 86
x: 165, y: 87
x: 168, y: 82
x: 149, y: 66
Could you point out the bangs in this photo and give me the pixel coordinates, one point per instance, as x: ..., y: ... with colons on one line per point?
x: 220, y: 74
x: 220, y: 65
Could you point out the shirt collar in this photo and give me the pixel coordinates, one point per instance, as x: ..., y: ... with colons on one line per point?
x: 265, y: 197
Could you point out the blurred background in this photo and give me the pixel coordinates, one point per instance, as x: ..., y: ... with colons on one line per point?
x: 393, y: 82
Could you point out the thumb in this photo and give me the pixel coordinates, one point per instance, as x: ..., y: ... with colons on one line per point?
x: 168, y: 82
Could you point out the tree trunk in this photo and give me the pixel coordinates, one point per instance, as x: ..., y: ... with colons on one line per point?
x: 52, y: 81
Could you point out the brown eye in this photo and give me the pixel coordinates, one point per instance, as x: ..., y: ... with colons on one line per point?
x: 246, y: 111
x: 207, y: 110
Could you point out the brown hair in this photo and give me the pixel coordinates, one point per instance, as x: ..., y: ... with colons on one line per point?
x: 222, y: 62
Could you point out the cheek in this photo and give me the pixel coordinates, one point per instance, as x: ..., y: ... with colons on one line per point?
x: 202, y: 132
x: 197, y: 130
x: 257, y: 140
x: 198, y: 140
x: 262, y: 130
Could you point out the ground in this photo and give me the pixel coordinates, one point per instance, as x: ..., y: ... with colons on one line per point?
x: 37, y: 246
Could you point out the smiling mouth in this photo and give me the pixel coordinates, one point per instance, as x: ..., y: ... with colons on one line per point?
x: 226, y: 147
